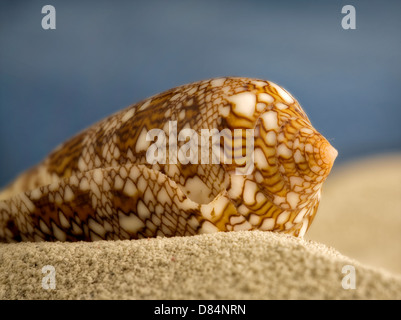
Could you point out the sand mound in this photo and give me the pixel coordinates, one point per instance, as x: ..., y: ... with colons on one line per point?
x: 235, y: 265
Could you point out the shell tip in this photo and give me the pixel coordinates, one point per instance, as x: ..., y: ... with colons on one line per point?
x: 329, y: 154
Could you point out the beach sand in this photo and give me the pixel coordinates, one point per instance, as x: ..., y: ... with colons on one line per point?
x: 234, y: 265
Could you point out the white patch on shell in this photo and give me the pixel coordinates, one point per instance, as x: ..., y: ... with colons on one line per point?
x: 134, y: 173
x: 260, y: 197
x: 181, y: 115
x: 236, y: 219
x: 219, y: 205
x: 281, y: 106
x: 258, y: 177
x: 142, y: 184
x: 129, y: 188
x: 74, y: 181
x: 145, y: 105
x: 270, y: 121
x: 84, y: 184
x: 123, y: 172
x: 217, y: 82
x: 283, y: 217
x: 264, y: 97
x: 197, y: 190
x: 224, y: 111
x: 130, y: 223
x: 59, y: 234
x: 300, y: 215
x: 53, y: 186
x: 288, y: 225
x: 68, y: 194
x: 58, y: 199
x: 44, y: 227
x: 271, y: 138
x: 250, y: 192
x: 141, y: 143
x: 298, y: 157
x: 128, y: 115
x: 29, y: 204
x: 176, y: 96
x: 105, y: 185
x: 284, y: 94
x: 208, y: 227
x: 254, y: 219
x: 81, y: 164
x: 260, y: 106
x: 63, y: 220
x: 193, y: 223
x: 192, y: 91
x: 116, y: 153
x: 237, y: 185
x: 278, y: 200
x: 206, y: 210
x: 293, y: 199
x: 96, y: 227
x: 244, y: 104
x: 259, y: 83
x: 283, y: 151
x: 143, y: 211
x: 305, y: 223
x: 267, y: 224
x: 244, y: 210
x: 95, y: 189
x: 243, y: 226
x: 118, y: 183
x: 187, y: 204
x: 306, y: 130
x: 163, y: 197
x: 260, y: 159
x: 35, y: 194
x: 296, y: 181
x: 76, y: 229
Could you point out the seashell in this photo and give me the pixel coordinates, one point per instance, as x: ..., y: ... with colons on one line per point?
x: 117, y: 180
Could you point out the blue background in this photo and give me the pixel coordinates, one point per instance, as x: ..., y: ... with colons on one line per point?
x: 105, y: 55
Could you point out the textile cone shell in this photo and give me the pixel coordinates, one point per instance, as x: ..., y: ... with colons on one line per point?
x: 115, y: 180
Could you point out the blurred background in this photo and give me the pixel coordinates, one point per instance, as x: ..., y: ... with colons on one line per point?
x: 105, y: 55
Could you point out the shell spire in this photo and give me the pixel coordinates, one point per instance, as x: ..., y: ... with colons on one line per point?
x: 328, y: 154
x: 320, y: 155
